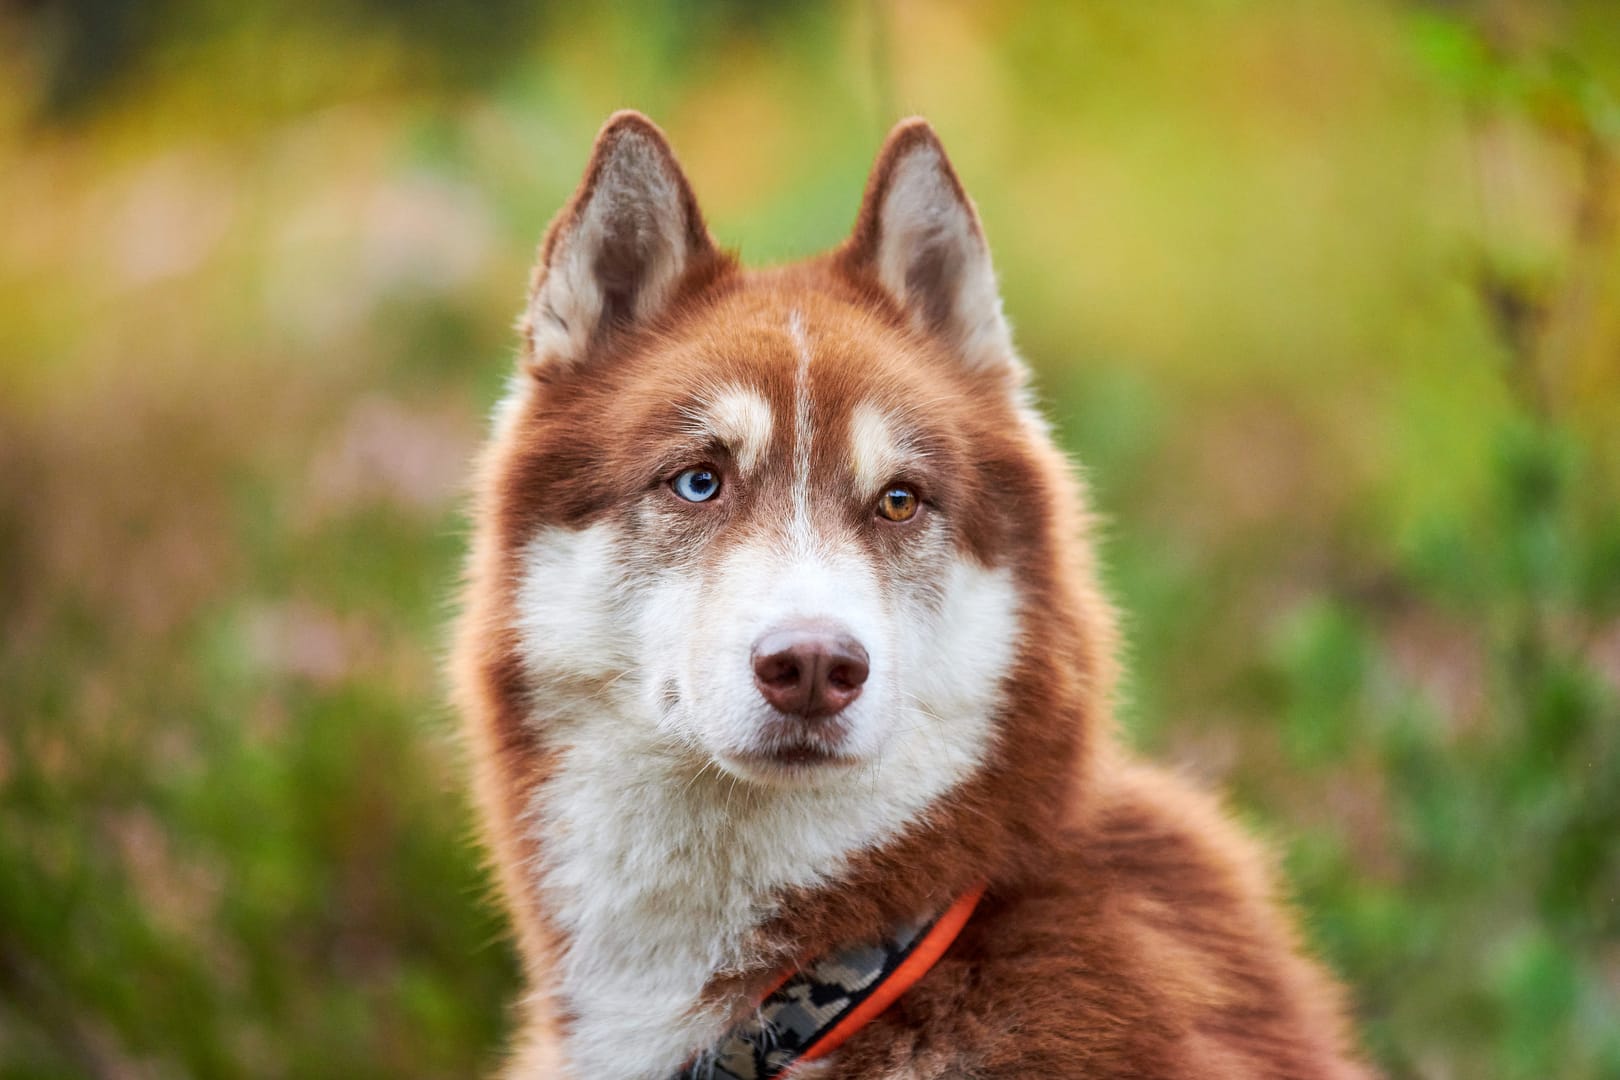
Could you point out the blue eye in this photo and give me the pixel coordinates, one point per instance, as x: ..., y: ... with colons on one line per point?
x: 697, y: 485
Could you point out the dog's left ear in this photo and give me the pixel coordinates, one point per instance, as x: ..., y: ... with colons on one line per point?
x: 918, y: 235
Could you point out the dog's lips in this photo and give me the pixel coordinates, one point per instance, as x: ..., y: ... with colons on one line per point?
x: 800, y: 754
x: 797, y: 759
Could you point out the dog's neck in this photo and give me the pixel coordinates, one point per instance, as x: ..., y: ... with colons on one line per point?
x: 658, y: 872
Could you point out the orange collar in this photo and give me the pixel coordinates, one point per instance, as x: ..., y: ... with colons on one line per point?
x: 811, y: 1012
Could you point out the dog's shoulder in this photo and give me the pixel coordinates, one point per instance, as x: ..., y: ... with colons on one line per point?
x: 1149, y: 944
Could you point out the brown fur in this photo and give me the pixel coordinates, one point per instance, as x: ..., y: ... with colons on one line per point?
x: 1129, y: 930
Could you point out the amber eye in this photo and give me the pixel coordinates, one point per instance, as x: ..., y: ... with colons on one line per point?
x: 898, y: 504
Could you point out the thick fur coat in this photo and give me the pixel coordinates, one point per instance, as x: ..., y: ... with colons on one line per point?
x: 664, y: 841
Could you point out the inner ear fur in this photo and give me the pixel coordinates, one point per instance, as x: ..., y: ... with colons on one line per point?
x: 918, y: 236
x: 619, y: 252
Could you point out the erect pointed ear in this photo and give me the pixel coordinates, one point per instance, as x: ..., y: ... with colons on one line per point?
x: 619, y: 251
x: 919, y: 236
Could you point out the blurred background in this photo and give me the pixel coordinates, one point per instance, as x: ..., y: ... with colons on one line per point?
x: 1325, y: 297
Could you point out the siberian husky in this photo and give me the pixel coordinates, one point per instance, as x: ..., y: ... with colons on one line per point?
x: 786, y: 678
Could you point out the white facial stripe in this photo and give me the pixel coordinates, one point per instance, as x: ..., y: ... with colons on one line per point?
x: 741, y: 419
x: 878, y: 450
x: 802, y: 433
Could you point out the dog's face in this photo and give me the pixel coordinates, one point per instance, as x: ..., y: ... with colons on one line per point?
x: 778, y: 514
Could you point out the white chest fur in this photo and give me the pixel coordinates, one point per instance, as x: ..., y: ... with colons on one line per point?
x: 656, y: 873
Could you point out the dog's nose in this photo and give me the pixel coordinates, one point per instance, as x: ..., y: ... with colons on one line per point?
x: 809, y: 672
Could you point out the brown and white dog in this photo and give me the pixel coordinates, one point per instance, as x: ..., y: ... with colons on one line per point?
x: 782, y: 628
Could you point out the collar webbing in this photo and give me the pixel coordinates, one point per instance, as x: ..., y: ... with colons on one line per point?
x: 811, y: 1012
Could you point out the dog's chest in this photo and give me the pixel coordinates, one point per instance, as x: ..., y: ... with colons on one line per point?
x: 657, y: 878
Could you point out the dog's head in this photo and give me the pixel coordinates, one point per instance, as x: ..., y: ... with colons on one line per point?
x: 794, y: 516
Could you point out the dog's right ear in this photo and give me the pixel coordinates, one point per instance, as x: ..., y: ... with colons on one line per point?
x: 617, y: 253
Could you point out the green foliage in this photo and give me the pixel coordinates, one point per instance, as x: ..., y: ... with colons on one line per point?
x: 1324, y: 302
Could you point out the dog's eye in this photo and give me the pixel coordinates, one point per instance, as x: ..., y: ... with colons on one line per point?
x: 696, y: 485
x: 899, y: 503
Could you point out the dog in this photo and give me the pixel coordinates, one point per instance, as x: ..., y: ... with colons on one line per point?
x: 786, y: 679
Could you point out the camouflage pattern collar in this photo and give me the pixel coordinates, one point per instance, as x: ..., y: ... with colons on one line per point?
x: 812, y: 1011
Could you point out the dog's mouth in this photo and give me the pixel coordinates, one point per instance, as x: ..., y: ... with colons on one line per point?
x: 789, y: 760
